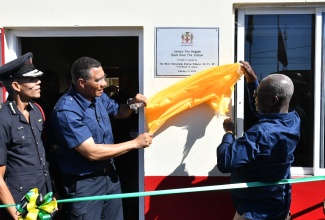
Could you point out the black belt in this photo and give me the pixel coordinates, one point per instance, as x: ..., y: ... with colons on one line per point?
x: 105, y: 171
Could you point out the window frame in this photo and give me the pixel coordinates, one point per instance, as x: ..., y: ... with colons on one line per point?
x: 318, y: 141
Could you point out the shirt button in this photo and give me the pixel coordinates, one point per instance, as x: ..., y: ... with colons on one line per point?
x: 21, y: 189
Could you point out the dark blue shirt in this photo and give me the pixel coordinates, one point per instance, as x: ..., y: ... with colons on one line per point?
x: 22, y: 150
x: 74, y: 120
x: 264, y: 154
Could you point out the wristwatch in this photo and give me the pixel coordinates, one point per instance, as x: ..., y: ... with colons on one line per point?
x: 134, y: 106
x: 128, y: 102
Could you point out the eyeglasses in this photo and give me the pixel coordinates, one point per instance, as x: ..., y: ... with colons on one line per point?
x: 100, y: 80
x: 264, y: 93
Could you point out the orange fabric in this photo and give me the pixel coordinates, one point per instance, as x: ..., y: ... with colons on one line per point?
x: 213, y: 86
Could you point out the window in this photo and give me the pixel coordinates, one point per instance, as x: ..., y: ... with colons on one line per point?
x: 285, y: 44
x: 283, y: 41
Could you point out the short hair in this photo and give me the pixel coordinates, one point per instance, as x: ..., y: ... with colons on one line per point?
x: 281, y: 85
x: 8, y: 85
x: 80, y: 68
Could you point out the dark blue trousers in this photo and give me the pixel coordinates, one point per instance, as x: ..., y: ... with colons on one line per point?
x: 93, y: 186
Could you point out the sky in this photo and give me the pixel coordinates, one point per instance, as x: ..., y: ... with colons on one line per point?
x: 297, y: 31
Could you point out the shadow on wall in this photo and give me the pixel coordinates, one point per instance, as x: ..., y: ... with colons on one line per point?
x: 195, y: 121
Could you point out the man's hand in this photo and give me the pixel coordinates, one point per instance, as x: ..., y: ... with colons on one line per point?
x: 228, y: 126
x: 139, y: 98
x: 144, y: 140
x: 248, y: 71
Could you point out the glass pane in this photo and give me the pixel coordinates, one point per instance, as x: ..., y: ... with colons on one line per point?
x: 322, y: 125
x: 285, y: 44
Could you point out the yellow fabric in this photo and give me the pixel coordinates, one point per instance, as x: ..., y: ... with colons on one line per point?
x: 213, y: 86
x: 31, y: 206
x: 50, y: 207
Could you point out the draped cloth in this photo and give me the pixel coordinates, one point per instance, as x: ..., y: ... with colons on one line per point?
x: 213, y: 86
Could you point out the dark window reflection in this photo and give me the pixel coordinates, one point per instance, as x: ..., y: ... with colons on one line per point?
x: 285, y: 44
x: 322, y: 123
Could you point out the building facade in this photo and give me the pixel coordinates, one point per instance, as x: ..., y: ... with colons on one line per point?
x: 132, y: 38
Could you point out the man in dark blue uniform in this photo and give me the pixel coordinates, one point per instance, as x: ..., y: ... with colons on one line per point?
x: 22, y: 156
x: 265, y: 151
x: 86, y: 146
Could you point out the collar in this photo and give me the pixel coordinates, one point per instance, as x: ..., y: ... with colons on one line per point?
x: 288, y: 115
x: 84, y: 103
x: 14, y: 109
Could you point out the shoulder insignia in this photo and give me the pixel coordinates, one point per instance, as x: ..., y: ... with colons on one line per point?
x: 40, y: 108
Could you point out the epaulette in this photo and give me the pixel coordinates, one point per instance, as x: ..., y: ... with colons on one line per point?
x: 40, y: 108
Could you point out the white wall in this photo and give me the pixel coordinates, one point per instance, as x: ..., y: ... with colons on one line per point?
x: 146, y: 15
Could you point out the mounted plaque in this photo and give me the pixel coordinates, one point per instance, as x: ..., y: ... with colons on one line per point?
x: 185, y: 51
